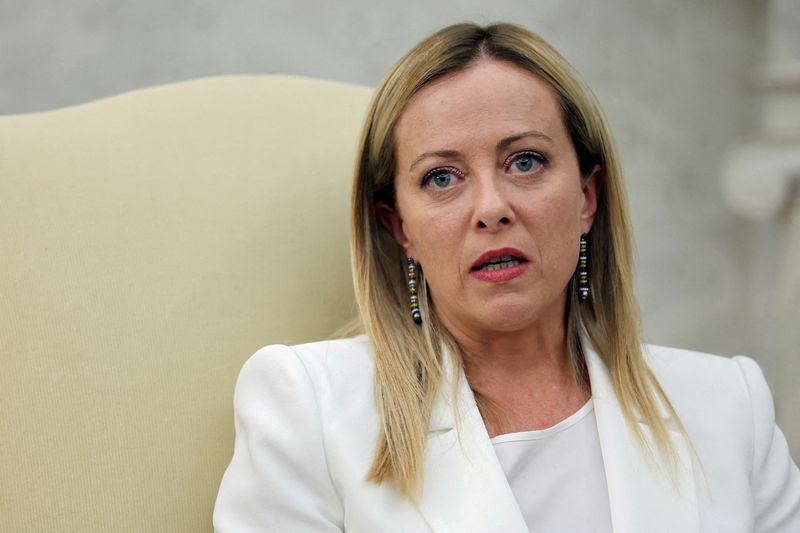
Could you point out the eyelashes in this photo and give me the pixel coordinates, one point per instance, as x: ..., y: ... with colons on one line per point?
x: 441, y: 178
x: 526, y: 162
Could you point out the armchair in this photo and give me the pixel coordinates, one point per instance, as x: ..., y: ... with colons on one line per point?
x: 150, y: 243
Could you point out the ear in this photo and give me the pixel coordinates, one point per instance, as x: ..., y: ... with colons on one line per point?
x: 393, y: 222
x: 591, y: 186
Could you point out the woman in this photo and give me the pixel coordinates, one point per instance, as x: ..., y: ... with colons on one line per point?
x: 501, y: 384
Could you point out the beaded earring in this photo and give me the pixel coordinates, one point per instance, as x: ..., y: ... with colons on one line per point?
x: 583, y: 271
x: 416, y: 316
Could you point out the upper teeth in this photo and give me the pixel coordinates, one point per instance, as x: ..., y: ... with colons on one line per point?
x: 502, y: 259
x: 492, y: 265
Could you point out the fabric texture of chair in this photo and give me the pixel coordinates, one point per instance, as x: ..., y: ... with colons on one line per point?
x: 150, y: 243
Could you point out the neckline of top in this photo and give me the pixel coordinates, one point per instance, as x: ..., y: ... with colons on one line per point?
x: 537, y: 434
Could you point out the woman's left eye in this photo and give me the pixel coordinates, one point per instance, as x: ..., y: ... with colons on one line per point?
x: 525, y: 162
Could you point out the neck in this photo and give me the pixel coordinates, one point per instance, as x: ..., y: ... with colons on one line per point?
x: 522, y: 379
x: 524, y: 359
x: 538, y: 346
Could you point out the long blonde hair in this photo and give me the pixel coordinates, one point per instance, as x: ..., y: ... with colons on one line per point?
x: 408, y: 358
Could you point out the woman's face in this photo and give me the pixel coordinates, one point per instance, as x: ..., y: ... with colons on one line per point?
x: 490, y: 200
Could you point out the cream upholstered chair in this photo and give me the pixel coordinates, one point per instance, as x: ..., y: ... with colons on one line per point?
x: 150, y: 243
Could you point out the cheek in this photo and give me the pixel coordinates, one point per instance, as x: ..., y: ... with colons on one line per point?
x: 557, y: 223
x: 436, y: 234
x: 436, y: 238
x: 563, y: 210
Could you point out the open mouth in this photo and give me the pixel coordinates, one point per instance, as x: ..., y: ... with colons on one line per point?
x: 498, y: 259
x: 498, y: 263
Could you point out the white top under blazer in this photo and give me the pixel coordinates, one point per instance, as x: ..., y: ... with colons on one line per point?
x: 557, y: 476
x: 307, y: 429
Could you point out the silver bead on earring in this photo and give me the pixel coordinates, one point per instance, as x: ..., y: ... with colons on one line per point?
x: 416, y: 316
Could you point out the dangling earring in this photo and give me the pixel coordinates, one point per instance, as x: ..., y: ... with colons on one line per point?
x: 583, y: 271
x: 416, y: 316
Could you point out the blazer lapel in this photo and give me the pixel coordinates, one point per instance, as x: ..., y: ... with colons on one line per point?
x: 642, y: 495
x: 465, y: 487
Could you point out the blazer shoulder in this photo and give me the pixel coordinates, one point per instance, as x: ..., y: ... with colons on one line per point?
x: 348, y: 359
x: 727, y: 409
x: 702, y: 385
x: 279, y: 478
x: 331, y: 366
x: 680, y: 369
x: 692, y: 368
x: 353, y: 351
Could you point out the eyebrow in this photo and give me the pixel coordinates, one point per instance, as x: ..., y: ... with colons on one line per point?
x: 504, y: 143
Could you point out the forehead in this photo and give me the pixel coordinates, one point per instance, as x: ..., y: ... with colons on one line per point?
x: 489, y: 100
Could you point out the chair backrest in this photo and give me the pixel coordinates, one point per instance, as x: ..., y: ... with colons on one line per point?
x: 149, y: 243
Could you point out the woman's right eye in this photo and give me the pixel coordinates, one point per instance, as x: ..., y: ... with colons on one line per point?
x: 440, y: 178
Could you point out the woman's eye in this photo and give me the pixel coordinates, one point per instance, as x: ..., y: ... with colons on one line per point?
x: 441, y: 178
x: 525, y: 162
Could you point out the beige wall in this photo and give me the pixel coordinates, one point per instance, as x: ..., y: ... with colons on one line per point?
x: 676, y: 78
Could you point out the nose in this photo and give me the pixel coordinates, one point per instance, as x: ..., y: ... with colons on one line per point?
x: 492, y: 209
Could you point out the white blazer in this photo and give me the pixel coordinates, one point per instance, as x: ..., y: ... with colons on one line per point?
x: 307, y: 428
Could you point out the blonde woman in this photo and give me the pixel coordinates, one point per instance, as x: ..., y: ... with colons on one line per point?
x: 500, y: 384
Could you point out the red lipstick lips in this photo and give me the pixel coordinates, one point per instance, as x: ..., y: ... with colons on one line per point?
x: 502, y: 264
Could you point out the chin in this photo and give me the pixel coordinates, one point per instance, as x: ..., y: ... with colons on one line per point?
x: 507, y: 319
x: 508, y: 316
x: 508, y: 313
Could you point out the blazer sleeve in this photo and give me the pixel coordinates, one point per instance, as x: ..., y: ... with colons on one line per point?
x: 278, y: 479
x: 775, y: 479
